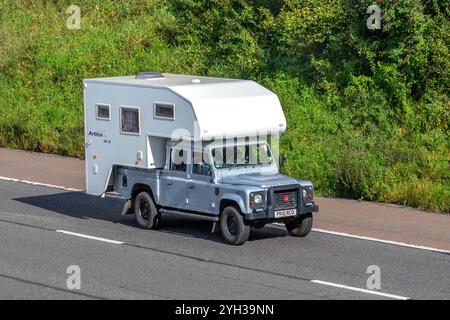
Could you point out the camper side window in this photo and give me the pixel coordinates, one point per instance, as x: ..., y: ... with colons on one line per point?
x: 130, y: 120
x: 178, y: 160
x: 103, y: 111
x: 164, y: 111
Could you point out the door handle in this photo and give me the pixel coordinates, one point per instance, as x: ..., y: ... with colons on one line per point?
x: 192, y: 187
x: 169, y: 183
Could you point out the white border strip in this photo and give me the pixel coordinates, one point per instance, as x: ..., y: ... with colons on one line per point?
x: 341, y: 286
x: 39, y: 184
x: 396, y: 243
x: 89, y: 237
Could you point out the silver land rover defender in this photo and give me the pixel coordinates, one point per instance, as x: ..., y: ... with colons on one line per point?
x: 237, y: 186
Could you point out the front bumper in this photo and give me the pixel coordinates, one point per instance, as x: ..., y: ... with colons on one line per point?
x: 268, y: 212
x: 269, y: 215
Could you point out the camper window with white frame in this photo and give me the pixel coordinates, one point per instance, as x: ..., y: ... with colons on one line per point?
x: 103, y: 111
x: 130, y: 120
x: 164, y: 111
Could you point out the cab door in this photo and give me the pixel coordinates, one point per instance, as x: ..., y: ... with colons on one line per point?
x: 200, y: 186
x: 173, y: 192
x: 199, y: 193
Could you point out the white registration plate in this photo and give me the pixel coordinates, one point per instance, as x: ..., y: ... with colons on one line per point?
x: 285, y: 213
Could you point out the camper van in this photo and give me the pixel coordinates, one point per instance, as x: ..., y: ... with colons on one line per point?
x: 194, y: 146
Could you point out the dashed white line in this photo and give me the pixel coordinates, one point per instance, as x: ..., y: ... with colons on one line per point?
x: 39, y: 184
x: 377, y: 293
x: 342, y: 234
x: 89, y: 237
x: 320, y: 282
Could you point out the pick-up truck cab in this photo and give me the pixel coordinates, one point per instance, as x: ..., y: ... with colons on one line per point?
x: 235, y: 185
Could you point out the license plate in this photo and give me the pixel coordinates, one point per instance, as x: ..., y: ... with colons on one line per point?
x: 285, y: 213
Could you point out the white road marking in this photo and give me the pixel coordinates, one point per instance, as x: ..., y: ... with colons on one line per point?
x: 354, y: 236
x: 378, y: 293
x: 40, y: 184
x: 89, y: 237
x: 396, y: 243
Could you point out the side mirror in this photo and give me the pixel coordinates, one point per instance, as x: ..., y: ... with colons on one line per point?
x: 281, y: 161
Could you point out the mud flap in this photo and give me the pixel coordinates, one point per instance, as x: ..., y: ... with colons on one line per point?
x: 214, y: 227
x: 127, y: 208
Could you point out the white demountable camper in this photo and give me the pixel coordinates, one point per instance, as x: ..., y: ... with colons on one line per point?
x: 133, y: 122
x: 128, y: 120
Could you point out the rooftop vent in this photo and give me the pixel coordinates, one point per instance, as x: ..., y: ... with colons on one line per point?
x: 149, y: 75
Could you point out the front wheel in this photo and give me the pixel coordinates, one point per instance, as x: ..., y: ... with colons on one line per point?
x: 232, y: 226
x: 147, y: 215
x: 301, y: 227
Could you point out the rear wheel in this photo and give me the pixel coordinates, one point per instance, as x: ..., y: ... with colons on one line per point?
x: 147, y: 215
x: 301, y: 227
x: 233, y: 227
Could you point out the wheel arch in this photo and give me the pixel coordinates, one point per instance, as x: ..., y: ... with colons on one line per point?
x: 140, y: 187
x: 232, y: 200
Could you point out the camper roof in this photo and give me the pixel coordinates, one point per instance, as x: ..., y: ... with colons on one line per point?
x: 223, y: 107
x: 178, y: 81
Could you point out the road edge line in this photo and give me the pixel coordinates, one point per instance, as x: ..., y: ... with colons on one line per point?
x: 40, y: 184
x: 396, y: 243
x: 342, y: 286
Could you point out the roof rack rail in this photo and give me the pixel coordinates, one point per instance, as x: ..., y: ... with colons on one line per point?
x: 149, y: 75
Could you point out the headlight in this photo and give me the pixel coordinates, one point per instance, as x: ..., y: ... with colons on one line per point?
x: 308, y: 194
x: 257, y: 199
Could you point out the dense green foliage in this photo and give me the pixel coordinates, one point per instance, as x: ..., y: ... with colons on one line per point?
x: 368, y: 111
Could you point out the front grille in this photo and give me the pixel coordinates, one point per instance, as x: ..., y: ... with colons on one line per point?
x: 285, y: 199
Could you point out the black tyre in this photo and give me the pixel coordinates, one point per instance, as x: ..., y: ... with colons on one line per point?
x: 147, y: 215
x: 301, y: 227
x: 232, y: 226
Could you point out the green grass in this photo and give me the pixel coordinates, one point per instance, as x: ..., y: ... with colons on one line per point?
x: 368, y: 114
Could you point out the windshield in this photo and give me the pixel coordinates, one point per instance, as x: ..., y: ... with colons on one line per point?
x: 242, y: 155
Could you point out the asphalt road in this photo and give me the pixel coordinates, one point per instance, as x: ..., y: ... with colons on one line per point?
x: 361, y: 218
x: 183, y: 260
